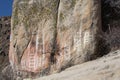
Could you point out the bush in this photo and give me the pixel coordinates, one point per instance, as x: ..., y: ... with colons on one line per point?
x: 110, y: 12
x: 112, y: 38
x: 111, y: 7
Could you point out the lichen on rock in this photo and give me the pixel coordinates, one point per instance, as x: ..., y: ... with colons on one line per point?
x: 51, y: 35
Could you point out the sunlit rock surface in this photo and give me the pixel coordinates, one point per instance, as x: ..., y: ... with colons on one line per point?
x: 48, y: 36
x: 105, y: 68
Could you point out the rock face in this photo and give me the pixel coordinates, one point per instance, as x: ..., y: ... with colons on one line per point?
x: 49, y: 35
x: 105, y: 68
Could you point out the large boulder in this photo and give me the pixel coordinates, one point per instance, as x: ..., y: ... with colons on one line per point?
x: 49, y: 35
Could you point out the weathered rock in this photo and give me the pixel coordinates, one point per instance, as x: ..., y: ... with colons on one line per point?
x: 48, y: 36
x: 78, y: 25
x: 33, y: 34
x: 105, y: 68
